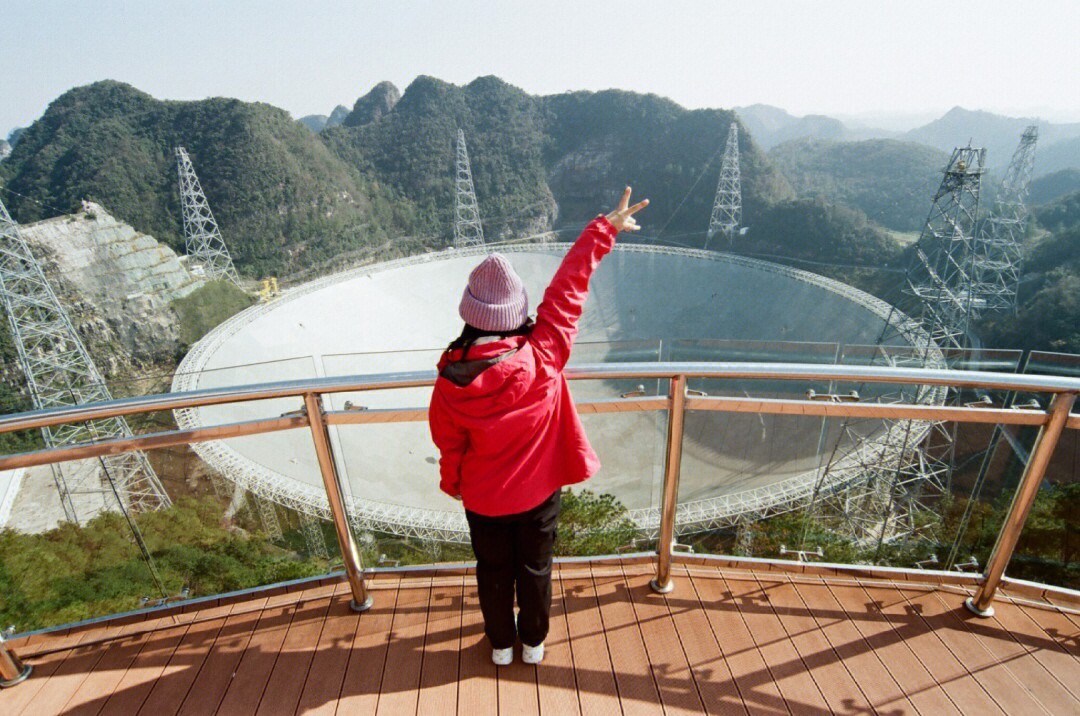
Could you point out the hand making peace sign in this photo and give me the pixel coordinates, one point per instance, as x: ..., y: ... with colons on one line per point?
x: 623, y: 217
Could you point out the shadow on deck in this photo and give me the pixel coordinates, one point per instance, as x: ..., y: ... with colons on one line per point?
x: 725, y: 641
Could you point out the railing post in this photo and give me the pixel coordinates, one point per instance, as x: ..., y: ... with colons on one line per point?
x: 354, y: 569
x: 1021, y: 504
x: 676, y: 416
x: 12, y: 669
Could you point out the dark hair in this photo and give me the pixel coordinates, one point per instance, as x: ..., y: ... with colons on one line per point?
x: 471, y: 334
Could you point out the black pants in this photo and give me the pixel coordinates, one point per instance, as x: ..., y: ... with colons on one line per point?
x: 515, y: 550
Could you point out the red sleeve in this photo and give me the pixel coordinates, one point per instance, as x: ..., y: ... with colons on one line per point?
x: 558, y: 314
x: 451, y: 439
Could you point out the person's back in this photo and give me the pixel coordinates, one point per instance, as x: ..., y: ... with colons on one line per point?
x: 510, y: 439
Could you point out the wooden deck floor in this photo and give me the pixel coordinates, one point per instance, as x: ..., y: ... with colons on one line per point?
x: 725, y: 641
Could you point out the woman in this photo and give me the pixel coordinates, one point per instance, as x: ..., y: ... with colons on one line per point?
x: 510, y: 438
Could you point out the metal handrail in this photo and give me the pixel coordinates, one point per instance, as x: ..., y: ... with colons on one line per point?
x: 1051, y: 423
x: 601, y: 371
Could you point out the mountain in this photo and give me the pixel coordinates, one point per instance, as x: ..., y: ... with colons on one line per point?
x: 890, y: 181
x: 770, y: 126
x: 1063, y: 154
x: 999, y: 135
x: 5, y: 150
x: 372, y: 106
x: 1048, y: 305
x: 280, y: 196
x: 1051, y: 187
x: 14, y: 136
x: 314, y: 122
x: 289, y: 200
x: 317, y: 122
x: 337, y: 117
x: 544, y: 162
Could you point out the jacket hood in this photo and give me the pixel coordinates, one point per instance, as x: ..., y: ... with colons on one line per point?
x: 494, y: 376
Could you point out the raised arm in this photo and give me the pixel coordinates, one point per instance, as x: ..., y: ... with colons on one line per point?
x: 558, y: 314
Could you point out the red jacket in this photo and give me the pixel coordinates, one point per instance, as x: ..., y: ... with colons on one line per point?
x: 510, y: 436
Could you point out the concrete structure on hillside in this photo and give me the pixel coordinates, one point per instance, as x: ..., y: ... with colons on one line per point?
x: 114, y: 284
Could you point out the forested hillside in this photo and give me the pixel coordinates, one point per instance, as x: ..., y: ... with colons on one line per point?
x: 1051, y: 187
x: 280, y: 196
x: 890, y: 181
x: 1048, y: 315
x: 287, y: 198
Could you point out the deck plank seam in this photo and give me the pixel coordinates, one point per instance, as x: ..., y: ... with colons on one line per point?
x: 323, y: 611
x: 686, y: 655
x: 974, y: 675
x: 1005, y: 663
x: 423, y: 646
x: 837, y: 658
x: 196, y: 667
x: 659, y: 623
x: 719, y: 645
x: 867, y: 647
x: 210, y: 652
x: 898, y: 636
x: 789, y: 640
x: 172, y: 653
x: 590, y: 576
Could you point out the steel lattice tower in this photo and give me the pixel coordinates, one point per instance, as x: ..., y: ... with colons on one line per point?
x: 206, y: 250
x: 467, y: 228
x: 999, y: 255
x: 59, y: 372
x: 941, y: 279
x: 313, y: 535
x: 727, y: 207
x: 899, y: 478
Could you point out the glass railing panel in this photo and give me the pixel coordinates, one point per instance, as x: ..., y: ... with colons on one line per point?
x: 1049, y: 546
x: 389, y: 471
x: 737, y: 464
x: 96, y: 537
x: 893, y: 492
x: 883, y: 495
x: 1047, y: 363
x: 730, y: 351
x: 54, y: 570
x: 959, y: 469
x: 618, y: 509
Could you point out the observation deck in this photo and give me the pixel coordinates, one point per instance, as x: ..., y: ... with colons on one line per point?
x: 733, y: 638
x: 666, y: 629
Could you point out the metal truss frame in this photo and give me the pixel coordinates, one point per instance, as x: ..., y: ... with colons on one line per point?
x: 999, y: 251
x: 60, y: 372
x: 894, y: 491
x: 468, y: 230
x: 208, y: 257
x: 942, y: 277
x: 313, y: 535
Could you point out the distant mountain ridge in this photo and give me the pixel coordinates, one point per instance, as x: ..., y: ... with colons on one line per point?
x: 317, y: 122
x: 279, y: 194
x: 288, y: 199
x: 1058, y: 148
x: 770, y: 125
x: 889, y: 180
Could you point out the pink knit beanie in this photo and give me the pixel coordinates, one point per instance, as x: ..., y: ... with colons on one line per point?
x: 495, y: 299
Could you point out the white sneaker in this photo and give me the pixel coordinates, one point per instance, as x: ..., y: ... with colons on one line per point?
x: 503, y: 657
x: 532, y: 654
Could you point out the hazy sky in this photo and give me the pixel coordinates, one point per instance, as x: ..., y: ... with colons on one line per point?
x: 840, y: 57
